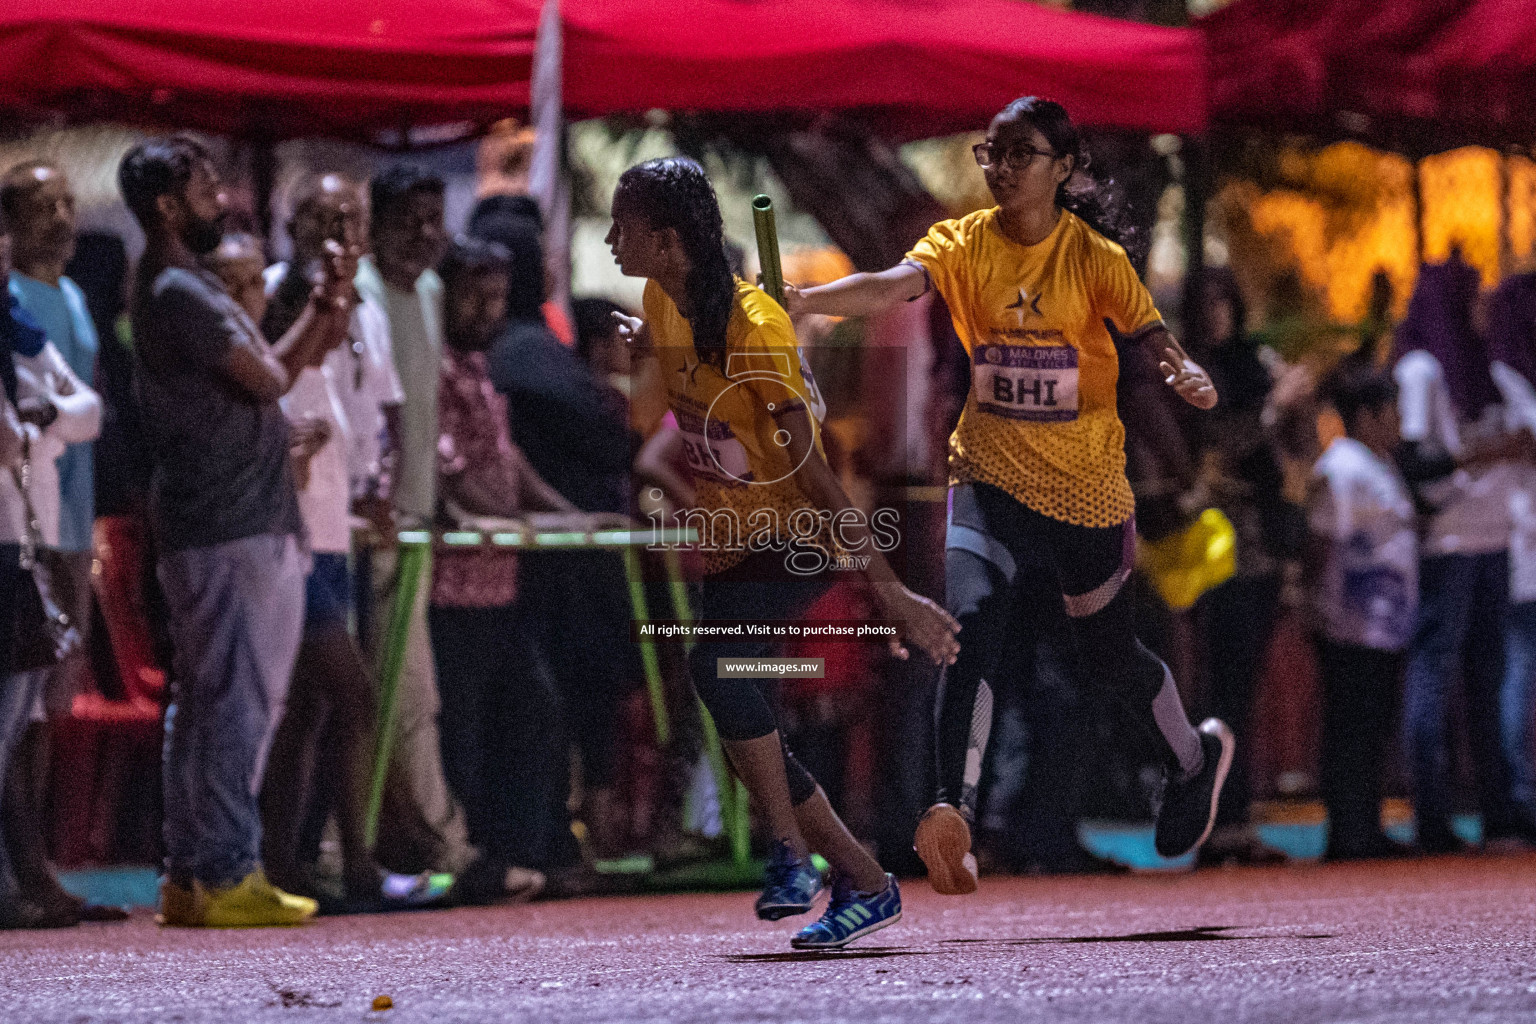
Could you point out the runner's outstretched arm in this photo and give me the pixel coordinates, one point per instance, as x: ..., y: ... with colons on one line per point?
x: 859, y: 294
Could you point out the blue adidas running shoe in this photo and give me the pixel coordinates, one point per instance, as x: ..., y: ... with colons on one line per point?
x: 851, y: 915
x: 790, y: 884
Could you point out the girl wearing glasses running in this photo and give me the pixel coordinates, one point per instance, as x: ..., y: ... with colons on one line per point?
x: 727, y: 356
x: 1037, y: 462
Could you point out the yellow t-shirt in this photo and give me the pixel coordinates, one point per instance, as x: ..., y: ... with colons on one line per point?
x: 1040, y: 421
x: 737, y: 453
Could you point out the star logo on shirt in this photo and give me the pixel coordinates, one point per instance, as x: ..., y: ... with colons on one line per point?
x: 1025, y: 300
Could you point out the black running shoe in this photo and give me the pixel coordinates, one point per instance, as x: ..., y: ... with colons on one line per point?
x: 1188, y: 811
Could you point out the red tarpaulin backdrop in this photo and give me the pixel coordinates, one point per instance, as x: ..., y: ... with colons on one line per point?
x: 278, y: 67
x: 1416, y: 73
x: 929, y: 67
x: 351, y: 69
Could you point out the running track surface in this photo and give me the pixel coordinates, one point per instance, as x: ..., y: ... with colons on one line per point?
x: 1441, y: 940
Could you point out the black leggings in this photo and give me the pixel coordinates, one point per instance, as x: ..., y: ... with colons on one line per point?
x: 991, y: 539
x: 759, y: 589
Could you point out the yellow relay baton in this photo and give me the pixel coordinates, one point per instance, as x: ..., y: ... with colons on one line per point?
x: 768, y: 248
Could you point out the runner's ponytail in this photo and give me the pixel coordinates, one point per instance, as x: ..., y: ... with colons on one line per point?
x: 674, y: 192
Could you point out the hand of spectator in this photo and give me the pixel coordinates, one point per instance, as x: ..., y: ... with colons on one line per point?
x: 60, y: 384
x: 380, y: 515
x: 635, y: 333
x: 1514, y: 446
x: 299, y: 459
x: 1295, y: 390
x: 922, y: 622
x: 305, y: 438
x: 309, y: 436
x: 38, y: 411
x: 340, y: 268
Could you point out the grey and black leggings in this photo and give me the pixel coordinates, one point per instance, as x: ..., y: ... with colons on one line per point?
x: 991, y: 538
x: 759, y: 589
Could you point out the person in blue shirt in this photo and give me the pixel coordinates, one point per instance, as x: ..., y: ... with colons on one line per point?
x: 39, y: 208
x: 19, y: 335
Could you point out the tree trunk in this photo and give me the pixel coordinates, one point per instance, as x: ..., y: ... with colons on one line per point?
x: 837, y: 170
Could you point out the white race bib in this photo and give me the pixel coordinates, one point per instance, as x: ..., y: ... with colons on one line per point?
x: 1026, y: 382
x: 713, y: 450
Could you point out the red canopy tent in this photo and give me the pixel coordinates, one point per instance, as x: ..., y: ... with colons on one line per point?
x: 1417, y: 74
x: 926, y: 68
x: 269, y: 67
x: 351, y: 69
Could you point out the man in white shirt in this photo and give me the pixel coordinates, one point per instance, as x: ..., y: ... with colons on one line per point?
x: 38, y: 204
x: 322, y: 754
x: 1363, y: 569
x: 407, y: 239
x: 1460, y: 461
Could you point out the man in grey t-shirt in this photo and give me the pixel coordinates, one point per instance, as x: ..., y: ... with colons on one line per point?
x: 225, y: 514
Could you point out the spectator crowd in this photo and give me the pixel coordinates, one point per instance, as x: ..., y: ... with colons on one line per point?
x: 269, y: 430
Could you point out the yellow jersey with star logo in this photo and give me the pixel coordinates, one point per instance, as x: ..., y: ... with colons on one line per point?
x: 1040, y: 421
x: 738, y: 454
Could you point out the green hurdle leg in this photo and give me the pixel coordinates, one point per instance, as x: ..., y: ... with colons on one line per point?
x: 679, y: 589
x: 414, y: 561
x: 648, y: 659
x: 734, y: 810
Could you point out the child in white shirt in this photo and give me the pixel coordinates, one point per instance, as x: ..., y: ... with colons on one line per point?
x: 1364, y: 574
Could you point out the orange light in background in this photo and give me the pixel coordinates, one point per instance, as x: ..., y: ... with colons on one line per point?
x: 1461, y: 205
x: 1522, y: 208
x: 1357, y: 215
x: 1367, y: 224
x: 810, y: 267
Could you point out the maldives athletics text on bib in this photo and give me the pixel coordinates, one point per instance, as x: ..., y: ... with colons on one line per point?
x: 1026, y: 382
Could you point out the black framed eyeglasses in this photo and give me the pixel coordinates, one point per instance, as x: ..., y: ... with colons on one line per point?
x: 989, y: 153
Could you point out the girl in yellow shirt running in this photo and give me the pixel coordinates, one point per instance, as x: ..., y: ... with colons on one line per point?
x: 772, y: 509
x: 1037, y: 462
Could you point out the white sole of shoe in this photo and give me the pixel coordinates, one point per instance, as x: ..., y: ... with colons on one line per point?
x: 1216, y: 727
x: 866, y: 930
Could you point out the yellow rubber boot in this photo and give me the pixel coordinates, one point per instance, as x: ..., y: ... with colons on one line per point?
x: 254, y: 903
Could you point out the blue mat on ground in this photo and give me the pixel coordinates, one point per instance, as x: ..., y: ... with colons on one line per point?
x: 1131, y: 843
x: 1126, y: 843
x: 114, y: 887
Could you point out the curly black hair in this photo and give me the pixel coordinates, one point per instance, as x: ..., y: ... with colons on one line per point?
x: 674, y: 192
x: 1097, y: 202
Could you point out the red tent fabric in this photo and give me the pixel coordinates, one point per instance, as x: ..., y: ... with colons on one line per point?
x: 269, y: 66
x: 928, y: 68
x: 1421, y: 74
x: 352, y: 69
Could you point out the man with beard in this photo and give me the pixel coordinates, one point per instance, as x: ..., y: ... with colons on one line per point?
x: 227, y: 525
